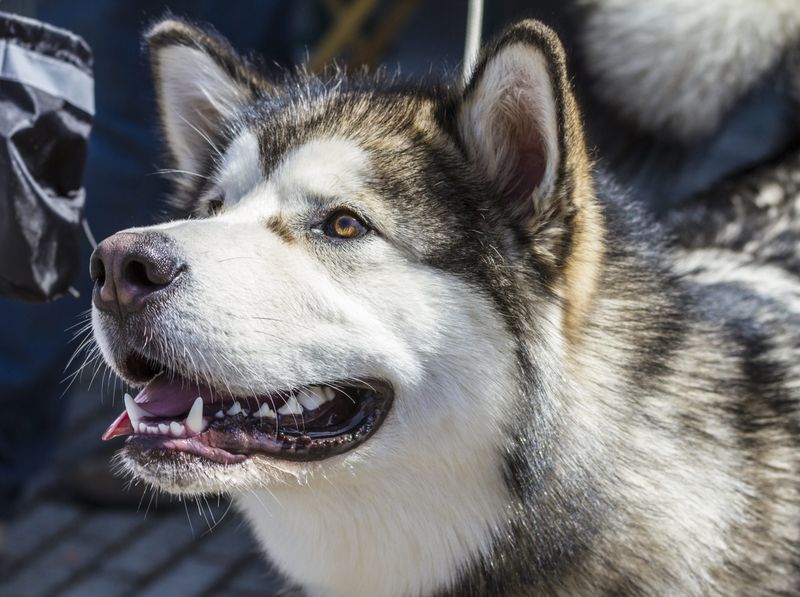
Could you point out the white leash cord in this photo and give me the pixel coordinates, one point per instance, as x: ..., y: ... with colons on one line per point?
x: 93, y: 242
x: 88, y: 232
x: 472, y: 43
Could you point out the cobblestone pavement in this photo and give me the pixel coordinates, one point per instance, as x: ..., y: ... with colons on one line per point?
x: 56, y: 546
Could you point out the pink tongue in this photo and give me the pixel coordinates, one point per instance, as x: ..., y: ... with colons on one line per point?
x: 120, y: 426
x: 171, y: 398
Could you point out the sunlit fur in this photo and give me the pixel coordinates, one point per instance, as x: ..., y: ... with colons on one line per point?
x: 585, y: 403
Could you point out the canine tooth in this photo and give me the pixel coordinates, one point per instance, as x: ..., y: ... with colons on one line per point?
x: 264, y: 411
x: 135, y: 412
x: 142, y: 428
x: 163, y: 428
x: 312, y: 398
x: 292, y: 407
x: 194, y: 422
x: 176, y: 429
x: 329, y: 393
x: 219, y: 414
x: 235, y: 409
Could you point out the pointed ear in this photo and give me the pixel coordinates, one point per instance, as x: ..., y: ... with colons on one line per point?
x: 518, y: 122
x: 201, y: 84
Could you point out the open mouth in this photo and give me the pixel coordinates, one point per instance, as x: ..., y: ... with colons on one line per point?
x: 307, y: 423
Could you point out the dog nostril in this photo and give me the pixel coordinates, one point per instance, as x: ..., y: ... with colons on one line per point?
x: 128, y: 268
x: 138, y: 274
x: 97, y: 270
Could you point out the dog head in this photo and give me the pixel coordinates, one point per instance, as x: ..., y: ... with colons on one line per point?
x: 362, y: 275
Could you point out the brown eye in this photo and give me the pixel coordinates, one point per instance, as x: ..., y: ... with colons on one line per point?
x: 344, y: 224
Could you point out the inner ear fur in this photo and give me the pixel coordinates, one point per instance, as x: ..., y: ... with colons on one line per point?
x: 518, y: 100
x: 518, y: 121
x: 201, y: 83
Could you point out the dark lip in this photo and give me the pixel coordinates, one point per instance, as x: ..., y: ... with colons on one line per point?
x: 134, y: 358
x: 235, y: 439
x: 133, y: 366
x: 137, y: 369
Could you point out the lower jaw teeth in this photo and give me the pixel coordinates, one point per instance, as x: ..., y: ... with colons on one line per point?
x: 192, y: 425
x: 173, y: 429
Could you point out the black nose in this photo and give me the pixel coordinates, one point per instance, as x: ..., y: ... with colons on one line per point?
x: 130, y: 268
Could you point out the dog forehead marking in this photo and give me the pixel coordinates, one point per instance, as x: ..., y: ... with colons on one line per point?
x: 326, y: 167
x: 322, y: 167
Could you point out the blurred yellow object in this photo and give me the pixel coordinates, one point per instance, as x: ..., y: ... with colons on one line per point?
x: 346, y: 38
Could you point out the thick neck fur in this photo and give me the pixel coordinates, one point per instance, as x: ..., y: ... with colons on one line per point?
x: 665, y: 467
x: 387, y: 537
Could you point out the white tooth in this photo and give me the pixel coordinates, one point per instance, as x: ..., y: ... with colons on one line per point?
x: 163, y: 428
x: 235, y: 409
x: 265, y: 411
x: 152, y: 429
x: 311, y: 398
x: 220, y: 415
x: 194, y: 422
x: 292, y: 407
x: 329, y: 392
x: 142, y: 428
x: 176, y: 429
x: 135, y: 412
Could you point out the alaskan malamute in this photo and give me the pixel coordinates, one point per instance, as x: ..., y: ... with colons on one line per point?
x: 428, y: 350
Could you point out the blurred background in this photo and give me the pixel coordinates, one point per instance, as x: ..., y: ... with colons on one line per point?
x: 67, y: 525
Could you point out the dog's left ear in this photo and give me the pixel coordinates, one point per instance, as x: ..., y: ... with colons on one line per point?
x: 518, y: 122
x: 201, y: 84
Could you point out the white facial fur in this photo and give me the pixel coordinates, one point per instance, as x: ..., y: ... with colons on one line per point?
x: 425, y: 494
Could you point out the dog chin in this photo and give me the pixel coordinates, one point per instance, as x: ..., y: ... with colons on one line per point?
x: 183, y: 474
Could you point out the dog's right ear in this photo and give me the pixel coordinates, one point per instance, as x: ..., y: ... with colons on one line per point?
x: 518, y: 123
x: 201, y: 84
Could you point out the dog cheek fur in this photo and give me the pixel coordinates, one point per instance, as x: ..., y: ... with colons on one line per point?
x: 422, y: 498
x: 451, y: 352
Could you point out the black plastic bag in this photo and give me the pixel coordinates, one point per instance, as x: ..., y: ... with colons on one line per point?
x: 46, y: 108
